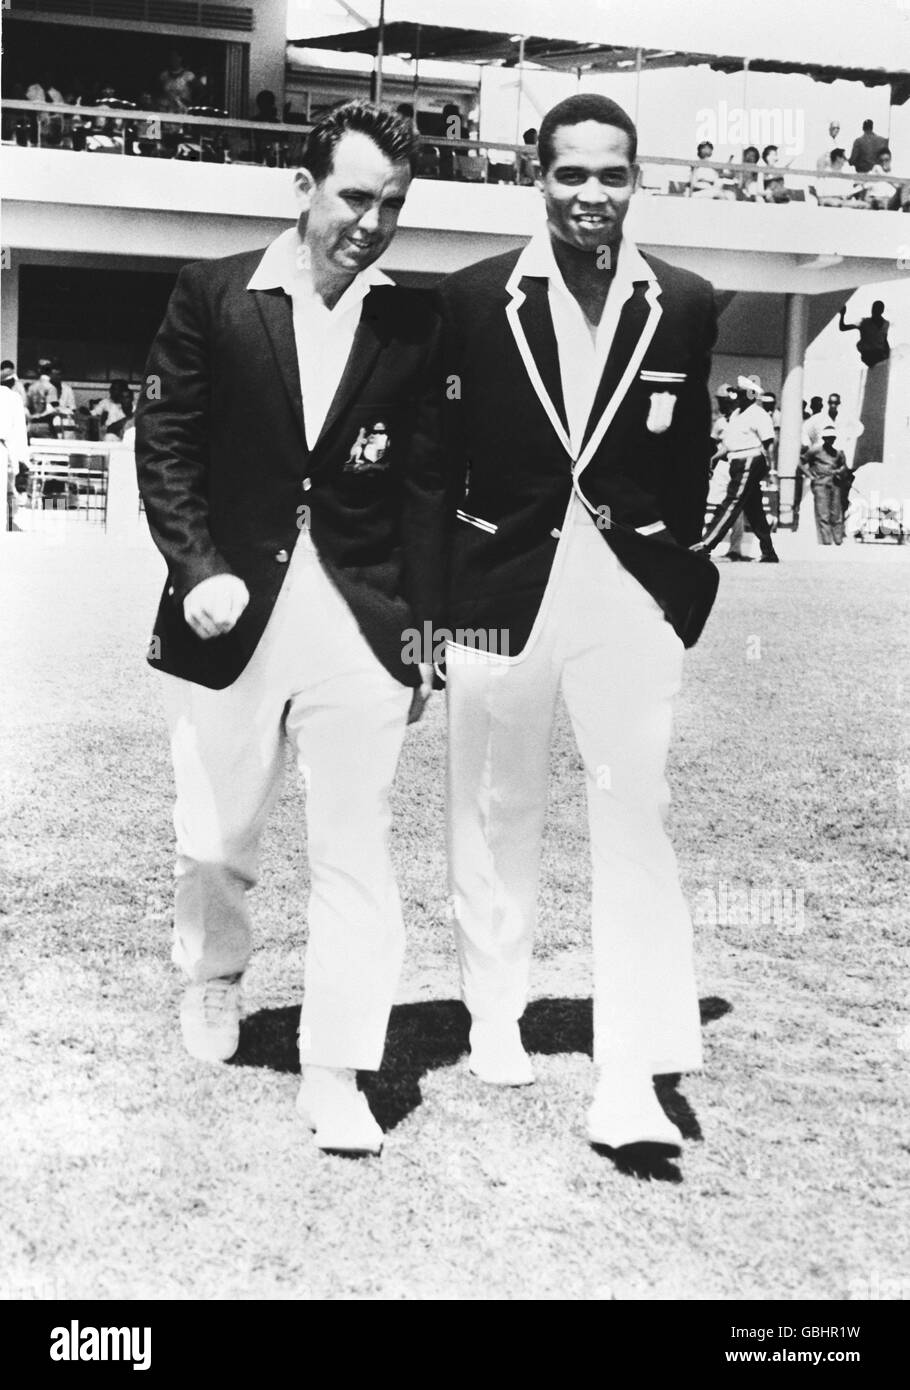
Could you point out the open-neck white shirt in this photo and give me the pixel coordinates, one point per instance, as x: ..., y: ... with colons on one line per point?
x: 323, y: 337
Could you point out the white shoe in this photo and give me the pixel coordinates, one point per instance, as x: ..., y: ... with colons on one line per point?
x: 210, y: 1018
x: 625, y: 1110
x: 330, y: 1103
x: 497, y: 1055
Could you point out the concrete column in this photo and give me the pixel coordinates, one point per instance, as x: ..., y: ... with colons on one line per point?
x: 9, y: 306
x: 796, y: 324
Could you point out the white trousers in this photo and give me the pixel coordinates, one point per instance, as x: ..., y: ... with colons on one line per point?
x: 313, y: 679
x: 604, y: 642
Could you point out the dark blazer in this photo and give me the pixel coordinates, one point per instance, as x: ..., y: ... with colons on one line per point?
x: 228, y: 481
x: 513, y: 463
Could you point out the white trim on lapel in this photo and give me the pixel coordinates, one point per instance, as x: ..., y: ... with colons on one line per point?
x: 652, y: 295
x: 518, y: 298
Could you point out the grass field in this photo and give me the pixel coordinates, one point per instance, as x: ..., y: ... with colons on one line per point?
x: 133, y: 1171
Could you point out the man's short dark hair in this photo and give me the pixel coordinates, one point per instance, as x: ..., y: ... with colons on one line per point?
x: 767, y: 150
x: 705, y: 145
x: 585, y: 106
x: 394, y: 136
x: 7, y: 362
x: 867, y: 125
x: 837, y: 154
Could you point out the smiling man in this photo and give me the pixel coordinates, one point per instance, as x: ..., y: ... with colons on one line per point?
x: 292, y: 573
x: 582, y: 439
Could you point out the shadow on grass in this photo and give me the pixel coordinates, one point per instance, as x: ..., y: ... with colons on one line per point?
x: 426, y: 1036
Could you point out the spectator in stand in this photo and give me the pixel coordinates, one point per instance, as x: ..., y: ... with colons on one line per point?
x: 750, y: 181
x: 833, y: 192
x: 66, y: 399
x: 41, y: 401
x: 872, y: 346
x: 527, y: 167
x: 704, y: 182
x: 14, y: 454
x: 823, y: 163
x: 176, y: 84
x: 114, y: 409
x: 880, y: 195
x: 266, y: 106
x: 867, y: 149
x: 8, y: 378
x: 45, y: 90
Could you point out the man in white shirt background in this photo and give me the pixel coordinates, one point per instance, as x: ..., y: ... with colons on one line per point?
x: 748, y: 446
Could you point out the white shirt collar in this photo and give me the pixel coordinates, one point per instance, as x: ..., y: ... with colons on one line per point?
x: 280, y: 269
x: 537, y: 259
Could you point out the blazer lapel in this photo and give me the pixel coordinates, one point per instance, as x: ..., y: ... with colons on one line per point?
x: 371, y: 336
x: 528, y: 313
x: 277, y: 316
x: 637, y: 325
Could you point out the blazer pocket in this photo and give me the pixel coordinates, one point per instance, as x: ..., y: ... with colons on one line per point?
x: 477, y: 521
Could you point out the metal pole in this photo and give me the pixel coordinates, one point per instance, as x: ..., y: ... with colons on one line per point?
x: 638, y: 57
x: 521, y: 61
x: 796, y: 326
x: 746, y: 94
x: 380, y: 42
x: 415, y: 97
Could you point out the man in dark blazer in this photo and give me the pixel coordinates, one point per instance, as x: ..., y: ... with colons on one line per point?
x: 581, y: 435
x: 287, y: 457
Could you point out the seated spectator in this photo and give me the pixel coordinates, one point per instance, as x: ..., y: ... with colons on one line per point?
x: 750, y: 183
x: 114, y: 409
x: 867, y: 149
x: 823, y: 163
x: 176, y: 83
x: 833, y: 192
x: 427, y: 162
x: 45, y: 90
x: 704, y: 182
x: 879, y: 195
x: 66, y: 399
x: 771, y: 156
x: 774, y: 190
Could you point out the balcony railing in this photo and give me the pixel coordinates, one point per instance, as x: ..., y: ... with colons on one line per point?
x: 211, y: 136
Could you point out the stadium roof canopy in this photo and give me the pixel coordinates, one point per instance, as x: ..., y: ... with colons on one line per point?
x: 840, y: 39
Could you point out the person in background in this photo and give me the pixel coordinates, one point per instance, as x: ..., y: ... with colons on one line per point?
x: 114, y: 409
x: 176, y: 83
x: 527, y: 168
x: 833, y: 192
x: 14, y: 454
x: 825, y: 467
x: 810, y: 410
x: 45, y: 90
x: 867, y: 149
x: 8, y: 378
x: 41, y: 401
x: 748, y: 443
x: 726, y: 403
x: 704, y: 181
x: 879, y: 196
x: 750, y: 181
x: 823, y: 163
x: 266, y: 106
x: 66, y: 399
x: 872, y: 346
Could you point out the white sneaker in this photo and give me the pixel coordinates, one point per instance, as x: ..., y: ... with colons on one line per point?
x: 338, y: 1113
x: 497, y: 1055
x: 625, y: 1110
x: 210, y: 1018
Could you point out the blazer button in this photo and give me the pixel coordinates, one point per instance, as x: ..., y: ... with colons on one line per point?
x: 170, y: 591
x: 307, y: 484
x: 555, y: 534
x: 282, y: 557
